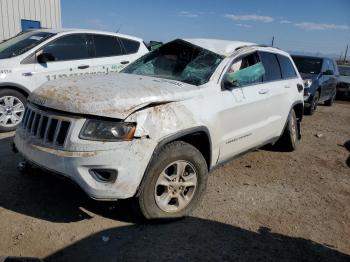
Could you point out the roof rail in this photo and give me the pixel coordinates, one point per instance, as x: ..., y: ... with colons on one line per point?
x: 259, y: 45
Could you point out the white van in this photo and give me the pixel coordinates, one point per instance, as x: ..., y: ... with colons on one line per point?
x: 34, y: 57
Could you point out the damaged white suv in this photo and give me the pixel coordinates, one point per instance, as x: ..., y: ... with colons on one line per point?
x: 154, y: 131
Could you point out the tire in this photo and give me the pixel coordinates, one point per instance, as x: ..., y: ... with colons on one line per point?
x: 160, y: 196
x: 310, y: 110
x: 12, y: 106
x: 330, y: 101
x: 290, y: 138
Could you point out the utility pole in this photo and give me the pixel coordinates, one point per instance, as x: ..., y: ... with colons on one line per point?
x: 273, y: 40
x: 346, y: 52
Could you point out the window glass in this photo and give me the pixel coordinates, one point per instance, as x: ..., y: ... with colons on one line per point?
x: 287, y: 68
x: 130, y: 46
x: 272, y: 68
x: 245, y: 71
x: 22, y: 43
x: 330, y: 67
x: 70, y: 47
x: 308, y: 65
x: 106, y: 46
x: 344, y: 70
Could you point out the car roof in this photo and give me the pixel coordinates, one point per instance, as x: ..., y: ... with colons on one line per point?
x: 76, y: 30
x: 310, y: 56
x: 221, y: 47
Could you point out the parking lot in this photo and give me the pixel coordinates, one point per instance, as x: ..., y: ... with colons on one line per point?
x: 266, y: 206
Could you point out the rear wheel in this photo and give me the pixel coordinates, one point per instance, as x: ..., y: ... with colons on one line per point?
x: 12, y: 106
x: 175, y: 182
x: 310, y: 110
x: 290, y: 138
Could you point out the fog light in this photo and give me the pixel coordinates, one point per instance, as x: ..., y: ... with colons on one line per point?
x: 104, y: 175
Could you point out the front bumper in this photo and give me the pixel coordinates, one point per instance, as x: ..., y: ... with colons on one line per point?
x: 129, y: 159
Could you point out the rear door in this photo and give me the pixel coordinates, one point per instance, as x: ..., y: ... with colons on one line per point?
x: 132, y: 49
x: 108, y: 54
x: 71, y: 57
x: 277, y: 96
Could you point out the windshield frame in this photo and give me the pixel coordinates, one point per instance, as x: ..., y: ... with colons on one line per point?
x: 23, y: 36
x: 183, y: 42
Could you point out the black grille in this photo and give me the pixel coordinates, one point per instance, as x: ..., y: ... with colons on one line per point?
x: 50, y: 129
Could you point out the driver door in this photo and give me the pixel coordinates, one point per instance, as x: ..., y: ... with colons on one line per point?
x: 70, y: 56
x: 246, y: 109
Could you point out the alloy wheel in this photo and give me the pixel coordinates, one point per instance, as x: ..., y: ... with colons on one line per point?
x: 176, y: 186
x: 11, y: 111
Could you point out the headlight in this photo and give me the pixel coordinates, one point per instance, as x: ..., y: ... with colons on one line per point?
x: 107, y: 130
x: 307, y: 83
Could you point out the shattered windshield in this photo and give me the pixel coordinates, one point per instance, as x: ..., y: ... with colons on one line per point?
x: 22, y: 43
x: 177, y: 60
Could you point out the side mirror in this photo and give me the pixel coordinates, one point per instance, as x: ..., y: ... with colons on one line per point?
x: 229, y: 84
x: 328, y: 72
x: 43, y: 58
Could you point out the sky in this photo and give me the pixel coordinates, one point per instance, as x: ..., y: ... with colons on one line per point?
x: 297, y: 25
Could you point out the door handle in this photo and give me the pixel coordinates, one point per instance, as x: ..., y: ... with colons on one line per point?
x: 263, y: 91
x: 125, y: 62
x: 83, y: 66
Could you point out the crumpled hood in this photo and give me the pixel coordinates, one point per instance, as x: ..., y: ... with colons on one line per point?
x: 112, y: 95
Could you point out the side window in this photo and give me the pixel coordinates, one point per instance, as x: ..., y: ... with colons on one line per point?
x: 247, y: 70
x: 130, y: 46
x: 271, y: 66
x: 287, y: 68
x: 70, y: 47
x: 106, y: 45
x: 330, y: 67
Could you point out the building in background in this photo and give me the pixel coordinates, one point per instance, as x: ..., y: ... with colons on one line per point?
x: 19, y: 15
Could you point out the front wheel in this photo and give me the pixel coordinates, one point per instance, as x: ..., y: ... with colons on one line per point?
x: 175, y: 182
x: 12, y: 106
x: 330, y: 101
x: 310, y: 110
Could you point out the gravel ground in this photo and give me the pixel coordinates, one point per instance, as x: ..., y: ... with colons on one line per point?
x: 264, y: 206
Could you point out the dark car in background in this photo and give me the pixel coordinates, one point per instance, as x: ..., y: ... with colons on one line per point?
x: 320, y: 75
x: 343, y: 86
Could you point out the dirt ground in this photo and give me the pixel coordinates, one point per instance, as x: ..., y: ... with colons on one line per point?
x: 264, y: 206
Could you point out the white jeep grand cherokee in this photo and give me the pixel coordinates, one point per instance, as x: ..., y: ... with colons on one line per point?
x: 34, y: 57
x: 155, y: 130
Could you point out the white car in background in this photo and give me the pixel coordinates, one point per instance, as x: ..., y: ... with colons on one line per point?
x: 34, y: 57
x: 156, y: 129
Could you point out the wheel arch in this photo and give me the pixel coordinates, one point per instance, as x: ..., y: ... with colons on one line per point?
x: 298, y: 108
x: 23, y: 90
x: 199, y: 137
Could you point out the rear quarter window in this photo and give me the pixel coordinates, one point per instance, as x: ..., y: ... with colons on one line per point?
x: 271, y: 65
x: 130, y: 46
x: 287, y: 68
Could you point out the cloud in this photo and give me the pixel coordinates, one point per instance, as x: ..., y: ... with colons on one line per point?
x: 315, y: 26
x: 255, y: 18
x: 187, y: 14
x: 285, y: 22
x: 244, y: 25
